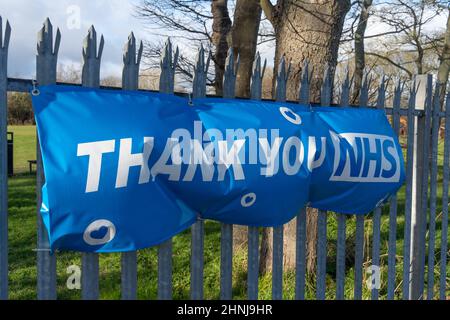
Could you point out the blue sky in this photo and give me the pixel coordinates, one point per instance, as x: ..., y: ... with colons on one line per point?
x: 112, y: 18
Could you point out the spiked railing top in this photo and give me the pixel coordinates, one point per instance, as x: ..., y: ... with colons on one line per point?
x: 167, y: 58
x: 231, y: 67
x: 130, y: 56
x: 305, y: 82
x: 398, y: 90
x: 283, y: 72
x: 4, y: 41
x: 382, y: 92
x: 45, y: 39
x: 200, y: 65
x: 90, y: 45
x: 346, y: 85
x: 257, y: 71
x: 437, y: 99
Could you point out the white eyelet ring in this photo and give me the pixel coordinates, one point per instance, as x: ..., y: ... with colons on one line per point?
x: 287, y: 112
x: 248, y: 199
x: 95, y: 226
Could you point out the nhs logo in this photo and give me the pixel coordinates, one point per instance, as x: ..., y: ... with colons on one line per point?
x: 360, y: 157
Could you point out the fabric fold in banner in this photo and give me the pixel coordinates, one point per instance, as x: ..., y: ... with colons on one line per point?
x: 127, y: 170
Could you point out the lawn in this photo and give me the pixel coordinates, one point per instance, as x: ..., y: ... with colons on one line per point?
x: 22, y: 258
x: 24, y: 146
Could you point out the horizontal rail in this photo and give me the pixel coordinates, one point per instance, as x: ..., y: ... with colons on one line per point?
x: 25, y: 85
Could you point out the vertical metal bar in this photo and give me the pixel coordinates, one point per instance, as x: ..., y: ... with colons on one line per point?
x: 197, y: 260
x: 197, y: 243
x: 340, y: 257
x: 444, y: 228
x: 359, y: 256
x: 408, y: 192
x: 277, y: 264
x: 376, y: 246
x: 433, y: 191
x: 46, y: 62
x: 392, y: 242
x: 300, y: 255
x: 226, y: 261
x: 377, y: 212
x: 277, y: 258
x: 419, y: 202
x: 359, y: 232
x: 300, y: 246
x: 3, y: 161
x: 226, y: 241
x: 322, y: 215
x: 253, y: 232
x: 253, y: 263
x: 321, y: 255
x: 130, y: 81
x: 91, y: 78
x: 165, y: 270
x: 168, y: 65
x: 341, y: 218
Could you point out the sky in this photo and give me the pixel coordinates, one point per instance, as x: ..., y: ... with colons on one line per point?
x: 112, y: 18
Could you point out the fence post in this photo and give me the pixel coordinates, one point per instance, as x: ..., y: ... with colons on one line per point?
x: 168, y: 66
x: 433, y: 163
x: 408, y: 194
x: 90, y: 78
x: 46, y: 63
x: 130, y: 81
x: 419, y: 187
x: 277, y: 238
x: 197, y: 229
x: 253, y: 232
x: 4, y: 43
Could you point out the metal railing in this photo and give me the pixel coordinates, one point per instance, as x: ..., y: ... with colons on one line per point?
x: 423, y: 115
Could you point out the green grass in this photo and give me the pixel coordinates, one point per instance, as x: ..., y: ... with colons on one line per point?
x: 24, y: 146
x: 22, y: 258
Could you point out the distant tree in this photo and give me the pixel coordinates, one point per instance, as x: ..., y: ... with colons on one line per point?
x: 407, y: 41
x: 19, y: 108
x: 111, y: 81
x: 69, y: 73
x: 444, y: 66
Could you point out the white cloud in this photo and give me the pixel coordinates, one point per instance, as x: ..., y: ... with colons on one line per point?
x: 112, y: 18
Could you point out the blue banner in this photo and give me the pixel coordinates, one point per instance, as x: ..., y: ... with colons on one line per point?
x: 127, y: 170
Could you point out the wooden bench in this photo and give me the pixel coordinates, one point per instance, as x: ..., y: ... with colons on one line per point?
x: 30, y: 164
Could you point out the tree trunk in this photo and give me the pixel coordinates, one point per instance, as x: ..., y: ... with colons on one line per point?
x: 304, y: 30
x: 221, y: 27
x: 266, y: 252
x: 307, y: 30
x: 244, y: 36
x: 444, y: 66
x: 360, y: 62
x: 247, y: 16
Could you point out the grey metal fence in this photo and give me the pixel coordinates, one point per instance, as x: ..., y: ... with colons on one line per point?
x: 417, y: 259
